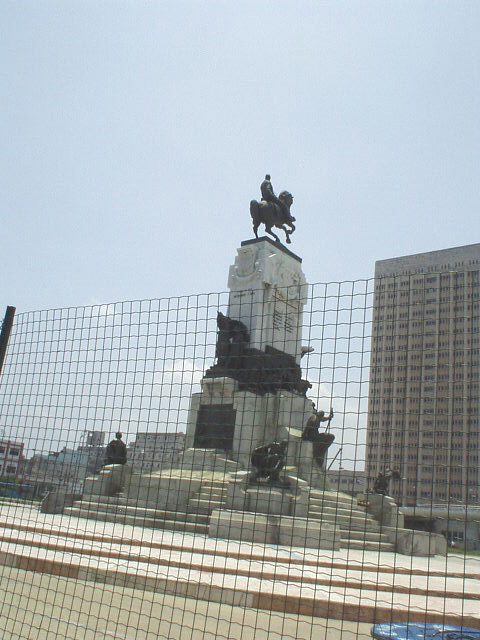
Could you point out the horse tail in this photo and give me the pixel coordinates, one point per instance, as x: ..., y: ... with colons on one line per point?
x: 256, y: 216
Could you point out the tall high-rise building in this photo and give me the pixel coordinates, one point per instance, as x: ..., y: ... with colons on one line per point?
x: 423, y: 414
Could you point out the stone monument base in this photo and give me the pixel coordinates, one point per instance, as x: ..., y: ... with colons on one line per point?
x: 265, y: 498
x: 111, y: 479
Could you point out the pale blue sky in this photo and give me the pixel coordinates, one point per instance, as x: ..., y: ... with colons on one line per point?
x: 134, y: 134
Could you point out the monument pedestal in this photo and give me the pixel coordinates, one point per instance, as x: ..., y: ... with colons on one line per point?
x: 266, y: 498
x: 267, y: 294
x: 224, y: 418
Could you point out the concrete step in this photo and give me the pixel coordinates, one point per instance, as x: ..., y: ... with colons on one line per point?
x: 119, y: 500
x: 177, y: 524
x: 354, y: 543
x: 358, y: 524
x: 371, y: 536
x: 333, y: 496
x: 215, y: 493
x: 328, y: 501
x: 215, y: 483
x: 20, y: 504
x: 346, y: 525
x: 330, y: 507
x: 366, y: 545
x: 338, y: 509
x: 199, y: 505
x: 139, y: 512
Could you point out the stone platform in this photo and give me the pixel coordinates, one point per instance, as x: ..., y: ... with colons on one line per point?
x: 345, y: 584
x: 211, y: 494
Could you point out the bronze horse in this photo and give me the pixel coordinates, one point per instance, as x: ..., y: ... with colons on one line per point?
x: 272, y: 215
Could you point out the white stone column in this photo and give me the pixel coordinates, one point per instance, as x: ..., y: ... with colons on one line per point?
x: 267, y: 293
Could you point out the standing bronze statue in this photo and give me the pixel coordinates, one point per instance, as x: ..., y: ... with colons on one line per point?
x: 272, y: 211
x: 269, y: 460
x: 382, y: 482
x: 320, y: 440
x: 232, y: 341
x: 311, y: 432
x: 116, y: 451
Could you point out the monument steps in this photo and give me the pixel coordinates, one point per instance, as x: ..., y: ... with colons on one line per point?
x: 204, y: 506
x: 350, y: 521
x: 336, y: 496
x: 343, y: 511
x: 195, y: 520
x: 357, y: 528
x: 180, y: 522
x: 213, y: 491
x: 329, y: 506
x: 374, y: 536
x: 368, y: 545
x: 212, y: 495
x: 139, y: 512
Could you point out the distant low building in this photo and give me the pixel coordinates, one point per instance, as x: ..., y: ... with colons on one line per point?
x: 65, y: 470
x: 11, y: 454
x: 347, y: 480
x: 459, y: 524
x: 152, y: 451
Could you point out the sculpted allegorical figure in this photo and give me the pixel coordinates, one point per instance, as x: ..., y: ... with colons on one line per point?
x: 232, y: 340
x: 382, y: 482
x: 320, y: 440
x: 116, y: 451
x: 311, y: 431
x: 269, y: 460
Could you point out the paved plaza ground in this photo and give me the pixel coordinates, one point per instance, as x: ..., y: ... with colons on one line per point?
x: 41, y: 607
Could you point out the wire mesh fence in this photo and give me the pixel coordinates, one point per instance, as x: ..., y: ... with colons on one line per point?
x: 263, y: 494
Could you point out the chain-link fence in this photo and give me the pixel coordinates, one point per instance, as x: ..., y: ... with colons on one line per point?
x: 163, y: 478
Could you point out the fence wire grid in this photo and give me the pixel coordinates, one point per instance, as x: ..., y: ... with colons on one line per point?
x: 189, y: 538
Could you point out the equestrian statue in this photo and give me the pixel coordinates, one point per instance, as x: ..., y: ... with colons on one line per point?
x: 272, y: 211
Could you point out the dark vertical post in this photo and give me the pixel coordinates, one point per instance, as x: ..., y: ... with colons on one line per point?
x: 5, y: 333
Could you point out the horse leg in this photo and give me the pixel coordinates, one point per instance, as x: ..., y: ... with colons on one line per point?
x: 256, y: 224
x: 287, y: 234
x: 268, y: 229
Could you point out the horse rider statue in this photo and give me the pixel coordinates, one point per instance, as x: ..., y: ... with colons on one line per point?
x: 272, y: 211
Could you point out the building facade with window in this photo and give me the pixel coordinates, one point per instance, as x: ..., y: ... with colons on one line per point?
x: 423, y: 414
x: 152, y: 451
x: 347, y: 480
x: 11, y: 453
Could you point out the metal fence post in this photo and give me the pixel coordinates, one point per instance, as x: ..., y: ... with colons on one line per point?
x: 5, y: 333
